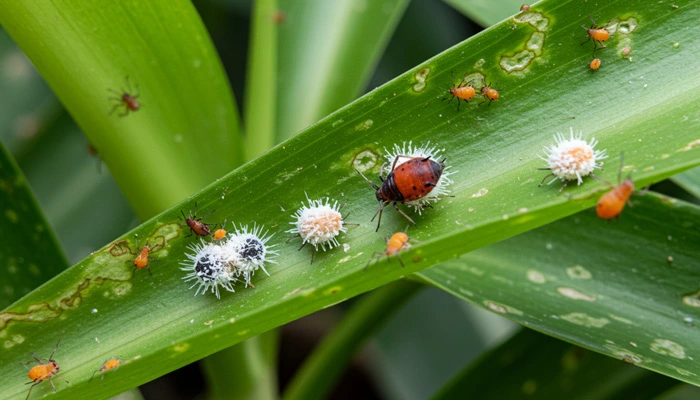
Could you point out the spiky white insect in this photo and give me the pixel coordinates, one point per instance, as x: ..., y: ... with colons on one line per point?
x: 572, y: 159
x: 247, y: 251
x: 408, y: 151
x: 208, y: 266
x: 318, y: 224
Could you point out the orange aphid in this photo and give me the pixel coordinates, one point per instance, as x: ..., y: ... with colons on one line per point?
x: 394, y: 245
x: 595, y: 64
x: 525, y: 7
x: 142, y: 258
x: 46, y: 369
x: 613, y: 202
x: 461, y: 90
x: 599, y: 35
x: 219, y: 234
x: 112, y: 363
x: 125, y: 99
x: 490, y: 93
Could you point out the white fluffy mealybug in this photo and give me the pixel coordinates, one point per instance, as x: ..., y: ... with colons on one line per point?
x: 247, y: 251
x: 208, y: 266
x: 318, y: 224
x: 407, y: 151
x: 572, y: 159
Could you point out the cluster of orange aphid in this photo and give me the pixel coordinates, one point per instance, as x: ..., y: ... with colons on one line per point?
x: 598, y: 34
x: 464, y: 91
x: 47, y: 369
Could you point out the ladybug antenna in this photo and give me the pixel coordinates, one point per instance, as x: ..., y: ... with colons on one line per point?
x: 370, y: 182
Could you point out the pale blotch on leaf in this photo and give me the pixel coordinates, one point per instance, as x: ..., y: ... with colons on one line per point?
x: 692, y: 300
x: 692, y: 145
x: 332, y: 290
x: 481, y: 192
x: 624, y: 354
x: 501, y: 308
x: 365, y: 160
x: 536, y: 276
x: 668, y: 348
x: 15, y: 339
x: 181, y: 347
x: 575, y: 294
x: 586, y: 320
x: 421, y: 77
x: 363, y: 126
x: 578, y: 272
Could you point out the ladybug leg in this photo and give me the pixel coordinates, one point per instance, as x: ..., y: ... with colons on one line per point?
x: 404, y: 214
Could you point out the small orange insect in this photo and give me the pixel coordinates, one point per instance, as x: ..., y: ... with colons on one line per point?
x: 196, y: 225
x: 125, y: 99
x: 613, y: 202
x: 412, y: 180
x: 142, y: 257
x: 599, y: 35
x: 394, y: 245
x: 219, y: 233
x: 525, y: 7
x: 112, y: 363
x: 490, y: 93
x: 46, y: 369
x: 595, y: 64
x: 461, y: 90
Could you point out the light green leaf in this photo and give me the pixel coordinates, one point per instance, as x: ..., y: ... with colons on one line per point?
x: 187, y: 115
x: 486, y: 12
x: 627, y: 289
x: 261, y: 90
x: 328, y: 50
x: 29, y: 252
x: 534, y: 366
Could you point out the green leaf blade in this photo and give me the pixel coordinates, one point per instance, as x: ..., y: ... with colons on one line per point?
x: 625, y: 289
x: 187, y: 114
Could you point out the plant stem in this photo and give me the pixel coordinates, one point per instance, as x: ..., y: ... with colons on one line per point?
x: 245, y: 371
x: 323, y: 367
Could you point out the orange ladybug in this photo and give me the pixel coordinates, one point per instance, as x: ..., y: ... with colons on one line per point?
x: 126, y: 100
x: 46, y: 369
x: 613, y: 202
x: 112, y: 363
x: 196, y: 225
x: 599, y: 35
x: 411, y: 180
x: 394, y: 245
x: 462, y: 91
